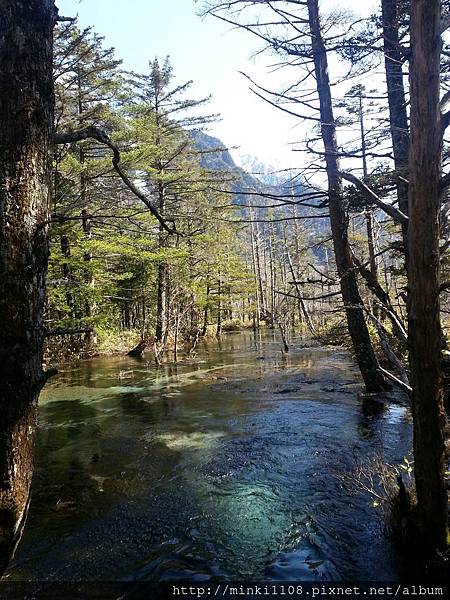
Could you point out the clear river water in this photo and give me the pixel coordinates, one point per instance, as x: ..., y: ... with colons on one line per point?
x: 225, y: 466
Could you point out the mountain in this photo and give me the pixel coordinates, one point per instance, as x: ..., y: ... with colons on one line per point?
x: 216, y: 157
x: 262, y: 179
x: 269, y: 174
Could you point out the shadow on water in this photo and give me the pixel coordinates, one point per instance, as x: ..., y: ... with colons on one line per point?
x: 222, y: 466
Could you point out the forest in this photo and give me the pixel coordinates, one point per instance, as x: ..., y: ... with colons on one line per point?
x: 213, y: 371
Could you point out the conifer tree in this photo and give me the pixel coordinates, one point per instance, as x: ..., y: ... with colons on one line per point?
x: 160, y: 127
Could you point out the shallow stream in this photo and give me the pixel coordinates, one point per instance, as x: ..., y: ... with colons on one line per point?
x: 229, y: 465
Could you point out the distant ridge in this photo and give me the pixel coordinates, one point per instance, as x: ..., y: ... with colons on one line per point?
x: 217, y: 157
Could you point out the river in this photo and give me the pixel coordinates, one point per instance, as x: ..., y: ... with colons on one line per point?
x: 225, y: 466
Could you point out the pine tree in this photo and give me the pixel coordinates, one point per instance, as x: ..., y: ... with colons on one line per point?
x: 87, y: 85
x: 160, y: 127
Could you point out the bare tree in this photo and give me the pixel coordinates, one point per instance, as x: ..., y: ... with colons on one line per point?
x: 394, y: 58
x: 357, y: 326
x: 302, y: 42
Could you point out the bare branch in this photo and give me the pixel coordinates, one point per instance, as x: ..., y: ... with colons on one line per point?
x: 95, y: 133
x: 401, y: 384
x: 387, y: 350
x: 389, y: 209
x: 62, y: 331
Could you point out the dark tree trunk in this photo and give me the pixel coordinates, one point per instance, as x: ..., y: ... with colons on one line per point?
x: 219, y: 306
x: 369, y: 211
x: 357, y: 326
x: 398, y: 117
x: 423, y: 277
x: 206, y: 313
x: 163, y: 270
x: 66, y: 270
x: 161, y: 303
x: 90, y: 337
x: 26, y: 116
x: 126, y: 317
x: 139, y: 349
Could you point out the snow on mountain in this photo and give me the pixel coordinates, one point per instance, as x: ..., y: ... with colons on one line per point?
x: 269, y: 173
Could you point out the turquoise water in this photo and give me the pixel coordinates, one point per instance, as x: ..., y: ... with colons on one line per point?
x: 228, y: 465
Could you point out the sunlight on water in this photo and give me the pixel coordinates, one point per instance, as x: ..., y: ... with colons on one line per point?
x: 189, y: 441
x: 67, y: 394
x: 226, y: 466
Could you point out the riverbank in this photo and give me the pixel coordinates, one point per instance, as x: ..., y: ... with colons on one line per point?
x: 109, y: 342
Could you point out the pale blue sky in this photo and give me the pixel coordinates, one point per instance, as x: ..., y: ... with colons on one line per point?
x: 206, y: 51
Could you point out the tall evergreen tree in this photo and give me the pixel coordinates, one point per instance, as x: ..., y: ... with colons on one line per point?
x: 162, y: 119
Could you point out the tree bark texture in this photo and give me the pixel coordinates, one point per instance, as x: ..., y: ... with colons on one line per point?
x: 26, y: 116
x: 357, y: 326
x: 398, y: 117
x: 423, y: 277
x: 163, y: 274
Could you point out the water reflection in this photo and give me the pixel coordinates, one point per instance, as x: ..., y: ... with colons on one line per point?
x: 219, y: 466
x: 372, y: 410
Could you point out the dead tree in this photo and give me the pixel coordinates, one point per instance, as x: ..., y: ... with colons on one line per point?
x: 398, y: 118
x: 394, y: 59
x: 304, y: 44
x: 357, y: 326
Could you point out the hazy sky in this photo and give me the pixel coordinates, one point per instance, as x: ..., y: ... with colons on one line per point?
x: 208, y: 52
